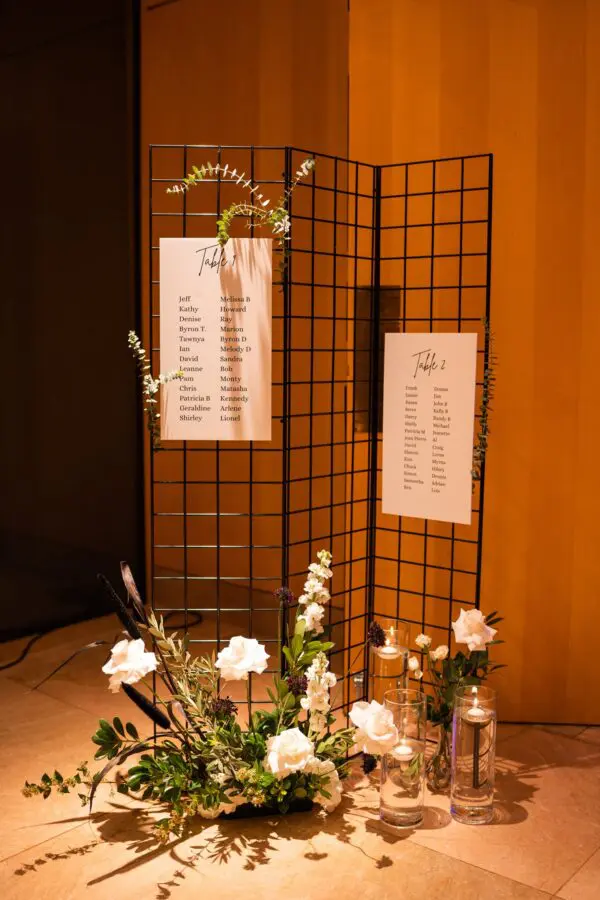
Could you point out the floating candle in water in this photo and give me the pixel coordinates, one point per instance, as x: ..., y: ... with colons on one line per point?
x: 404, y: 750
x: 476, y: 715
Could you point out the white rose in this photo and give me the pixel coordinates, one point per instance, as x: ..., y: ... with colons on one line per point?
x: 333, y: 785
x: 423, y: 641
x: 413, y: 664
x: 129, y: 662
x: 313, y: 616
x: 288, y: 752
x: 375, y: 729
x: 470, y: 629
x: 440, y: 652
x: 241, y: 656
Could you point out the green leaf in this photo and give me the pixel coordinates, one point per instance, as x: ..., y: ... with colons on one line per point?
x: 45, y: 779
x: 119, y: 726
x: 132, y: 731
x: 58, y: 777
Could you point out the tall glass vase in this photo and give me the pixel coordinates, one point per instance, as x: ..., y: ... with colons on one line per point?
x: 473, y: 755
x: 439, y: 765
x: 389, y: 663
x: 403, y: 767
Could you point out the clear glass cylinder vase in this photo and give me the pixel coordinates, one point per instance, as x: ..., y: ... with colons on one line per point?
x: 473, y: 755
x: 389, y: 663
x: 403, y: 767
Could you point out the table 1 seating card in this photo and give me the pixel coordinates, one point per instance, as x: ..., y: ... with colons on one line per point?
x: 215, y: 325
x: 428, y: 422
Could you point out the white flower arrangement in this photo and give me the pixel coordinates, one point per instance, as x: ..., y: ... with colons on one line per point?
x: 204, y: 762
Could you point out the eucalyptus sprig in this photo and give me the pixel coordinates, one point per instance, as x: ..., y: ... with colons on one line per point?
x: 150, y: 385
x: 258, y: 210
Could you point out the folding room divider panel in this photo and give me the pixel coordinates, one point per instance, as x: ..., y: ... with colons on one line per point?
x: 403, y: 247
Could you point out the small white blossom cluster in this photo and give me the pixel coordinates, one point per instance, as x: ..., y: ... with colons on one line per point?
x: 315, y: 593
x: 306, y: 167
x: 282, y: 226
x: 150, y: 385
x: 317, y: 701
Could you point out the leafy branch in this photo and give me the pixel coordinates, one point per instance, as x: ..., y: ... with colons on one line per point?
x: 487, y: 395
x: 150, y: 385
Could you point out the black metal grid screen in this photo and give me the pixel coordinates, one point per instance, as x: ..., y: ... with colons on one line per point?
x: 372, y: 249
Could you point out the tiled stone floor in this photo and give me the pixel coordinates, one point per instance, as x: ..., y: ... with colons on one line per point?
x: 544, y: 842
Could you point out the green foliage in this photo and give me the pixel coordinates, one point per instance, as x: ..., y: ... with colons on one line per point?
x: 60, y: 784
x: 487, y: 395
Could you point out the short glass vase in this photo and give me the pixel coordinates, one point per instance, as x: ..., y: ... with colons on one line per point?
x: 403, y: 767
x: 473, y: 755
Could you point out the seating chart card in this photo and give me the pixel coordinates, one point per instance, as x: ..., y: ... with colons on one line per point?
x: 428, y: 422
x: 215, y: 325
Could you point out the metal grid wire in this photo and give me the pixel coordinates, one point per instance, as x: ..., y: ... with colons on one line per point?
x: 232, y: 521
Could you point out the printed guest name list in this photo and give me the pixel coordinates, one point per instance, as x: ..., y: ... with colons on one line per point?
x: 215, y: 325
x: 428, y: 422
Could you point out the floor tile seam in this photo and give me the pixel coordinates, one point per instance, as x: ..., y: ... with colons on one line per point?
x: 576, y: 872
x: 481, y: 868
x: 47, y: 840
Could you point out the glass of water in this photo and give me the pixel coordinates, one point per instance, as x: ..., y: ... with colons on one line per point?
x: 403, y: 767
x: 473, y: 755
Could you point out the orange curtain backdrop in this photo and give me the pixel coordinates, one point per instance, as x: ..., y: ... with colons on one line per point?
x: 520, y: 78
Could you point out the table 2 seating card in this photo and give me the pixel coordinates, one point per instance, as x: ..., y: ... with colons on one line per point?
x: 428, y: 422
x: 215, y: 325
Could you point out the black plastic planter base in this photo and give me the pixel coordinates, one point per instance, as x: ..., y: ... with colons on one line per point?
x: 247, y: 811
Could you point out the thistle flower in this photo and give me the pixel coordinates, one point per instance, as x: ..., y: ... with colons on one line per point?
x: 297, y: 684
x: 368, y: 763
x: 284, y: 596
x: 376, y: 635
x: 223, y: 707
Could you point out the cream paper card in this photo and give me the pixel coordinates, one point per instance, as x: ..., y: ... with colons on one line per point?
x: 428, y: 422
x: 215, y: 325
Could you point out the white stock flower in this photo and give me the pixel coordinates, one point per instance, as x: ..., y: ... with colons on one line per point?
x: 470, y: 629
x: 320, y: 571
x: 129, y: 662
x: 241, y: 656
x: 440, y: 652
x: 317, y: 724
x: 423, y: 641
x: 375, y: 729
x: 413, y: 663
x: 313, y: 616
x: 288, y: 752
x: 325, y: 557
x: 333, y: 786
x: 315, y: 589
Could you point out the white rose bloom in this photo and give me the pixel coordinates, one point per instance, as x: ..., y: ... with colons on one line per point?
x: 440, y: 652
x: 413, y: 663
x: 470, y: 629
x: 313, y: 616
x: 288, y: 752
x: 129, y: 662
x: 423, y: 641
x: 241, y: 656
x: 375, y: 729
x: 333, y: 786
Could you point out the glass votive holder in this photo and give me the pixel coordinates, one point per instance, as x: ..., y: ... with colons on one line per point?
x: 403, y: 767
x: 389, y: 664
x: 473, y: 755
